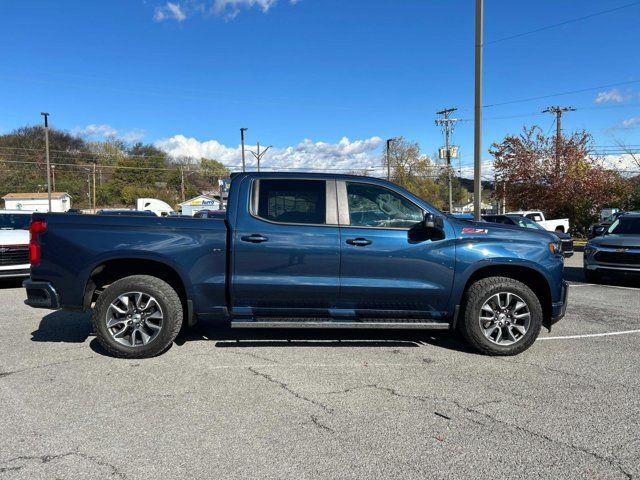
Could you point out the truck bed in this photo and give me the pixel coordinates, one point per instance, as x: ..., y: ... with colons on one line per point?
x: 75, y: 247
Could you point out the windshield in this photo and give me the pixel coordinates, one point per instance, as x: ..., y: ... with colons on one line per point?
x: 527, y: 223
x: 14, y: 221
x: 625, y: 226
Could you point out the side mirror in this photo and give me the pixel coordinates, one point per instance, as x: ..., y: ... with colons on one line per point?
x: 432, y: 221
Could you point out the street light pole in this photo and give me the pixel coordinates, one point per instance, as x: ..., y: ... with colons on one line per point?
x: 46, y: 142
x: 242, y: 130
x: 477, y: 121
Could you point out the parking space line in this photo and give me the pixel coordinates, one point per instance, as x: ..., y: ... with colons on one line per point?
x: 601, y: 285
x: 590, y: 335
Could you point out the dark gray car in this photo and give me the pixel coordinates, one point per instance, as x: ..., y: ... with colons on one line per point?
x: 617, y: 252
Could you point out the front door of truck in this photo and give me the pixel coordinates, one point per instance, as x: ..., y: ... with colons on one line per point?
x: 286, y: 250
x: 389, y: 263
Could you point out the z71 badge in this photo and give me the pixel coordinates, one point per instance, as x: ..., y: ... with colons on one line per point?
x: 472, y: 231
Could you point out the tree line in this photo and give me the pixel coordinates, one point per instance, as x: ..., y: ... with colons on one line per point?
x: 124, y: 172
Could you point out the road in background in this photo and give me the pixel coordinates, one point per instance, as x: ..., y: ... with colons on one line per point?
x: 321, y: 405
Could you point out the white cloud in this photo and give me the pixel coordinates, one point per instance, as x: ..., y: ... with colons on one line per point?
x: 344, y: 156
x: 232, y: 7
x: 93, y: 130
x: 611, y: 96
x: 108, y: 132
x: 631, y: 122
x: 180, y: 10
x: 622, y: 163
x: 169, y: 11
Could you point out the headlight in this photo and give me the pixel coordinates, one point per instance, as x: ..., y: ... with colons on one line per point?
x: 555, y: 247
x: 589, y: 249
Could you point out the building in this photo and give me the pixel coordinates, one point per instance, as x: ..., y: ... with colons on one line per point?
x: 37, y: 202
x: 468, y: 208
x: 201, y: 202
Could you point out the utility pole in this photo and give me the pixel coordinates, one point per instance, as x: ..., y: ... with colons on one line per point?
x: 388, y: 156
x: 447, y: 124
x: 46, y: 143
x: 53, y: 178
x: 259, y: 155
x: 242, y: 130
x: 477, y: 118
x: 558, y: 111
x: 88, y: 170
x: 94, y: 187
x: 182, y: 181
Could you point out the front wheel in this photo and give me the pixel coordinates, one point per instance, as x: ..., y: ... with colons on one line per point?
x: 137, y: 317
x: 501, y: 316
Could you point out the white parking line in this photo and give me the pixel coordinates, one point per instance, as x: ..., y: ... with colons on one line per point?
x: 601, y: 285
x: 590, y: 335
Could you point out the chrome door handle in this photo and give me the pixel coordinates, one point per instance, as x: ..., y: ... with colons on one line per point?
x: 359, y: 242
x: 254, y: 238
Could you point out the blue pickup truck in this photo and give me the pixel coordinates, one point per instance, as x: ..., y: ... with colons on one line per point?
x: 299, y: 251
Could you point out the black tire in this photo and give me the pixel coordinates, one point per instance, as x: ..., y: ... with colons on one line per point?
x: 477, y: 294
x: 592, y: 277
x: 166, y: 297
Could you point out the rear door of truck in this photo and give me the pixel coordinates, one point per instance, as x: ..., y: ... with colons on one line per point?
x: 285, y: 247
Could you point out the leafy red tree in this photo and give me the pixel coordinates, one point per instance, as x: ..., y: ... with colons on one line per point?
x: 577, y: 186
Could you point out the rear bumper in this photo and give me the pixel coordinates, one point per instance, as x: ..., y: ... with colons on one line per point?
x: 41, y: 295
x: 558, y: 309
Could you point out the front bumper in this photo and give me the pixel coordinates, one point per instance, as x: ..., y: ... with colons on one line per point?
x: 558, y: 309
x: 616, y: 261
x: 41, y: 295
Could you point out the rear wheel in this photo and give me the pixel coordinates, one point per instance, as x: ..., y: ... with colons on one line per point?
x: 501, y: 316
x: 137, y: 317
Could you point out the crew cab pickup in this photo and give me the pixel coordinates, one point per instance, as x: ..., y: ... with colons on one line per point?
x: 299, y: 251
x: 558, y: 225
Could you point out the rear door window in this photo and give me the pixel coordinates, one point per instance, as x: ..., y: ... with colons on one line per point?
x: 292, y: 201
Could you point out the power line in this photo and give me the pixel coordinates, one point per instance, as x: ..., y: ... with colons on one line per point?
x: 566, y: 22
x: 571, y: 92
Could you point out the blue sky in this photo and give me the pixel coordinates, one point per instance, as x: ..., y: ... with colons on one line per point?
x: 304, y: 74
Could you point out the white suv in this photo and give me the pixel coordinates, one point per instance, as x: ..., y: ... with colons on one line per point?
x: 14, y: 243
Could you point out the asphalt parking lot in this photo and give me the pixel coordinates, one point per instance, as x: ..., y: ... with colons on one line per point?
x: 222, y: 404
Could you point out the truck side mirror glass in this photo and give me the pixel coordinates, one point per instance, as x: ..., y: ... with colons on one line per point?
x: 433, y: 221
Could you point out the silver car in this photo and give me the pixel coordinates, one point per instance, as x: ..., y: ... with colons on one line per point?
x: 617, y: 252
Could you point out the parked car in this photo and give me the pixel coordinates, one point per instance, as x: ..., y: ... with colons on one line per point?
x: 302, y: 251
x: 524, y: 222
x: 598, y: 229
x: 14, y: 243
x: 210, y: 214
x: 133, y: 213
x: 615, y: 253
x: 559, y: 225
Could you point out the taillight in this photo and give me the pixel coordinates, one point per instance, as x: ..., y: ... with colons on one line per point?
x: 35, y: 229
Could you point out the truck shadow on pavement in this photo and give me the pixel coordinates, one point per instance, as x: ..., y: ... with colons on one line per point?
x: 72, y: 327
x: 323, y: 338
x: 62, y: 326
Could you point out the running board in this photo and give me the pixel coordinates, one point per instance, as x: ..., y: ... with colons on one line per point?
x: 341, y: 324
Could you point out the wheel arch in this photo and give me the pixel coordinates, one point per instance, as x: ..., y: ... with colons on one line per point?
x: 108, y: 271
x: 531, y: 277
